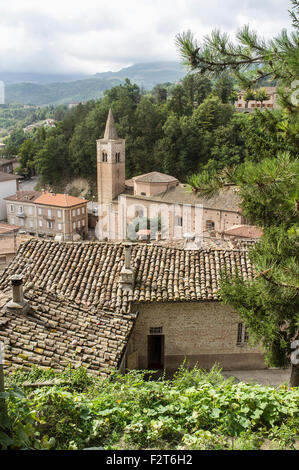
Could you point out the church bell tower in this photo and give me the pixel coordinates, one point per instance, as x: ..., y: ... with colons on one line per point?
x: 110, y: 163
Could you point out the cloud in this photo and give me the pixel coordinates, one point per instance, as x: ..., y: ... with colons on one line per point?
x: 90, y: 36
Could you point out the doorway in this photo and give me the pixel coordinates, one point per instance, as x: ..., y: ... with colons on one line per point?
x: 155, y: 351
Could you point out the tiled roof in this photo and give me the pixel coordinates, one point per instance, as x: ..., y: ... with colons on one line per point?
x: 59, y: 200
x: 24, y: 196
x: 7, y: 177
x: 56, y: 332
x: 6, y: 228
x: 227, y: 199
x: 88, y: 273
x: 246, y: 231
x: 154, y: 177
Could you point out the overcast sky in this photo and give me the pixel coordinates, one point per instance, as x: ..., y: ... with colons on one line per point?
x: 89, y: 36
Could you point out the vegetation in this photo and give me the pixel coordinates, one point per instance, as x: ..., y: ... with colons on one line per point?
x: 268, y: 185
x: 194, y: 410
x: 176, y: 129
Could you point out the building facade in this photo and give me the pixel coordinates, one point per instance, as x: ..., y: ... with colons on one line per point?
x: 48, y: 214
x: 126, y: 206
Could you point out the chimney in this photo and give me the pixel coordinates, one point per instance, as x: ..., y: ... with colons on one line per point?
x: 158, y: 236
x: 126, y: 279
x: 18, y: 303
x: 189, y: 241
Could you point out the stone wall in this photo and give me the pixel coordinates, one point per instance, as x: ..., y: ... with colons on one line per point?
x: 201, y: 332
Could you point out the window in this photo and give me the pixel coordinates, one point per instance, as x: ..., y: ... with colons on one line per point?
x: 104, y: 157
x: 21, y: 210
x: 242, y: 336
x: 83, y: 210
x: 50, y: 224
x: 78, y: 211
x: 30, y: 210
x: 40, y: 223
x: 12, y: 220
x: 22, y: 222
x: 31, y: 223
x: 74, y: 225
x: 210, y: 225
x: 74, y: 212
x: 83, y: 223
x: 2, y: 259
x: 179, y: 221
x: 49, y: 213
x: 79, y: 224
x: 143, y: 194
x: 59, y: 214
x: 39, y: 211
x: 117, y: 157
x: 59, y: 226
x: 12, y: 208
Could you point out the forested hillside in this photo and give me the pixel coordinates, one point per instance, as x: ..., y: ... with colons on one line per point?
x: 179, y: 129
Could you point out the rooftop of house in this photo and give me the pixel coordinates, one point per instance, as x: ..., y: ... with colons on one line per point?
x: 6, y: 228
x: 59, y: 200
x: 56, y: 332
x: 154, y: 177
x: 7, y: 176
x: 244, y: 231
x: 87, y: 274
x: 24, y: 196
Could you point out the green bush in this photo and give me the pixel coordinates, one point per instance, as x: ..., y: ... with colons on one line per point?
x: 194, y: 410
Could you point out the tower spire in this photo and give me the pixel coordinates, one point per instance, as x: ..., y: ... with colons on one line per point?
x: 110, y: 131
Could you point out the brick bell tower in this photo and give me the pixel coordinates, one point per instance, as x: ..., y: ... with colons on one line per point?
x: 110, y: 163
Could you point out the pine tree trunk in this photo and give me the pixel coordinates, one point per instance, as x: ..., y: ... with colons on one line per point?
x: 294, y: 380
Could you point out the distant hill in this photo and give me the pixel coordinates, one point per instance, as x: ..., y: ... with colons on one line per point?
x: 38, y: 90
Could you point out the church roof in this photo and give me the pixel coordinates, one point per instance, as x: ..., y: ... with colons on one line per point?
x: 110, y: 130
x: 154, y: 177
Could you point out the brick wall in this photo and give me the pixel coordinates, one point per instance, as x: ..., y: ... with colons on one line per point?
x: 203, y: 332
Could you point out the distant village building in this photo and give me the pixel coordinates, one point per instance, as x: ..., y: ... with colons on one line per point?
x: 48, y: 214
x: 7, y: 164
x: 8, y: 244
x: 130, y: 306
x: 250, y: 106
x: 9, y: 184
x: 129, y: 206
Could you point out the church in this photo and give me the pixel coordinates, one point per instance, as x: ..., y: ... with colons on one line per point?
x: 155, y: 205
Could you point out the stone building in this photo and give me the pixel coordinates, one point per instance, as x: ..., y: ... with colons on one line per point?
x: 49, y: 214
x: 134, y: 306
x: 152, y: 197
x: 250, y: 106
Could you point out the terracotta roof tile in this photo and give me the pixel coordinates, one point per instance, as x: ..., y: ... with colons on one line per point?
x: 89, y: 272
x: 59, y: 200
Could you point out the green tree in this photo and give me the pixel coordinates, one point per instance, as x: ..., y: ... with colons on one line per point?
x: 261, y: 96
x: 268, y: 188
x: 249, y: 96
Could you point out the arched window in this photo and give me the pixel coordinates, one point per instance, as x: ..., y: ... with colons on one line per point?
x: 210, y: 225
x: 104, y: 157
x: 117, y: 157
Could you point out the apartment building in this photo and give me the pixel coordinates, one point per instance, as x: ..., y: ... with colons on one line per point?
x: 48, y: 214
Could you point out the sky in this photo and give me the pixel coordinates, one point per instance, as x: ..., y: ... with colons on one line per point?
x: 90, y: 36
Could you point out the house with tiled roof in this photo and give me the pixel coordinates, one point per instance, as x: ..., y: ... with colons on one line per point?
x: 44, y: 213
x: 130, y: 306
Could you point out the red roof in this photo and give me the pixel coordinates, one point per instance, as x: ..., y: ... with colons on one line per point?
x: 60, y: 200
x: 245, y: 231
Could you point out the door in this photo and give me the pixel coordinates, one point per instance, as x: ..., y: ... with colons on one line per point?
x: 155, y: 351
